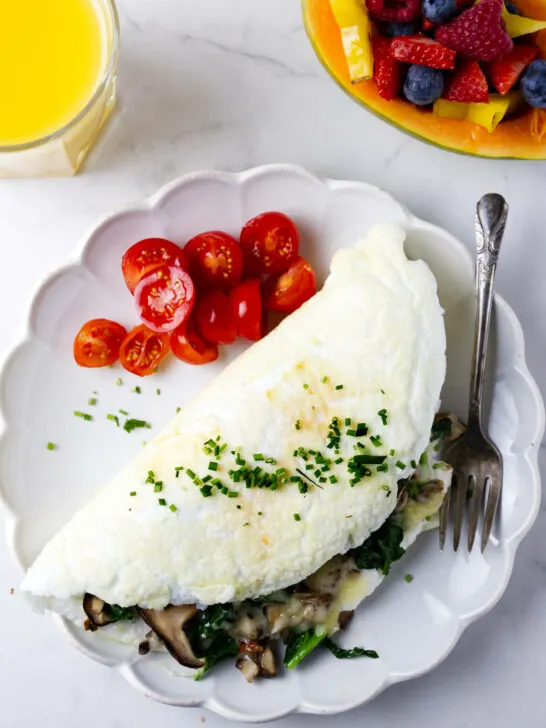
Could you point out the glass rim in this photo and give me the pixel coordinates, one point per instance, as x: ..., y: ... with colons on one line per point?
x: 105, y: 80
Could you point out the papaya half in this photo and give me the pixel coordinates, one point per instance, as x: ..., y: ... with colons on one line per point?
x: 522, y: 136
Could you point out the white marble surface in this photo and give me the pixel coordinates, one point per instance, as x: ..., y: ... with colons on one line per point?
x: 228, y: 85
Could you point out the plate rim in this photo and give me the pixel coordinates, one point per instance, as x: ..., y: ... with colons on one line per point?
x: 530, y: 452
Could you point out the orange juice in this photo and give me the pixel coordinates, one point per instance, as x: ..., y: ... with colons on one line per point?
x: 52, y: 59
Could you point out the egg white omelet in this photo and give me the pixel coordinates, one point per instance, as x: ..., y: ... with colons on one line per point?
x: 356, y: 371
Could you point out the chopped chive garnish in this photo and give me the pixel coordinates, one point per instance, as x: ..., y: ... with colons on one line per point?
x: 386, y: 487
x: 382, y: 391
x: 246, y: 524
x: 375, y: 440
x: 413, y: 464
x: 361, y: 429
x: 158, y: 487
x: 298, y: 424
x: 382, y: 468
x: 306, y: 386
x: 339, y: 386
x: 132, y: 424
x: 383, y: 414
x: 113, y: 418
x: 325, y: 380
x: 338, y: 461
x: 51, y: 446
x: 317, y: 473
x: 423, y: 460
x: 119, y: 382
x: 232, y: 494
x: 391, y: 453
x: 213, y: 465
x: 369, y: 459
x: 173, y: 508
x: 151, y: 477
x: 92, y: 401
x: 332, y: 479
x: 322, y: 479
x: 137, y: 390
x: 206, y: 491
x: 190, y: 473
x: 297, y: 517
x: 83, y: 415
x: 239, y: 507
x: 408, y: 578
x: 400, y: 464
x: 162, y: 501
x: 258, y: 456
x: 347, y: 421
x: 158, y: 391
x: 177, y: 410
x: 351, y: 433
x: 133, y: 492
x: 123, y: 412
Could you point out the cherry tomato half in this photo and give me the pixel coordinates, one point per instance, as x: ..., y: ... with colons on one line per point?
x: 147, y: 254
x: 142, y: 350
x: 97, y: 343
x: 214, y: 319
x: 188, y: 345
x: 214, y: 260
x: 270, y: 243
x: 246, y: 307
x: 164, y: 298
x: 287, y: 292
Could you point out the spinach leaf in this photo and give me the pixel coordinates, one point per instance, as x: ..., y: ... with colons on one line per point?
x: 381, y: 549
x: 222, y: 647
x: 208, y: 636
x: 441, y: 429
x: 117, y: 613
x: 299, y: 645
x: 213, y: 619
x: 342, y: 654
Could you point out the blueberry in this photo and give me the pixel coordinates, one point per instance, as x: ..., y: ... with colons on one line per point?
x: 511, y: 7
x: 439, y: 11
x: 393, y: 30
x: 533, y: 84
x: 423, y: 85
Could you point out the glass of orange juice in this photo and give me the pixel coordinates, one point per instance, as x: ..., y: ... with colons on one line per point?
x: 58, y: 82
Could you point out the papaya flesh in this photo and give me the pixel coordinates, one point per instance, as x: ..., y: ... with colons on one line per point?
x: 522, y: 136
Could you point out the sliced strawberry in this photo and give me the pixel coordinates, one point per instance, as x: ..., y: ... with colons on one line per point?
x: 504, y: 73
x: 387, y: 72
x: 394, y: 11
x: 467, y: 84
x: 478, y: 33
x: 423, y: 51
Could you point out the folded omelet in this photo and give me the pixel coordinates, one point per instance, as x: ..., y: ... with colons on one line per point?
x: 291, y: 456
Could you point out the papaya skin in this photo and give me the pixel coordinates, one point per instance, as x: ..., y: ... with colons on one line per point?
x: 520, y: 137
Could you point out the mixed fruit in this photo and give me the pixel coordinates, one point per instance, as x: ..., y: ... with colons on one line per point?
x: 476, y: 61
x: 190, y: 300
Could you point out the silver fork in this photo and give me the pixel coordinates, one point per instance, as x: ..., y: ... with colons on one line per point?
x: 476, y: 461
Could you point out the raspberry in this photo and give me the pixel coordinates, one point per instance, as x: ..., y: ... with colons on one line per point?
x: 478, y: 33
x: 394, y: 11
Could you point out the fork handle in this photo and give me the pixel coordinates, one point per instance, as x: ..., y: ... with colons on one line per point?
x: 491, y: 214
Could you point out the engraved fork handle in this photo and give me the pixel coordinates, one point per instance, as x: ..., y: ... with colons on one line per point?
x: 491, y: 214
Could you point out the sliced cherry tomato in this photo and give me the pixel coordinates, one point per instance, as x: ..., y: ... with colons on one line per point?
x: 214, y: 260
x: 270, y: 243
x: 246, y: 307
x: 188, y: 345
x: 97, y: 343
x: 164, y: 298
x: 147, y: 254
x: 214, y: 319
x: 142, y: 350
x: 287, y: 292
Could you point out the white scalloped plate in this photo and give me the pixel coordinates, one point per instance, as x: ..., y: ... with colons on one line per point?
x: 41, y: 387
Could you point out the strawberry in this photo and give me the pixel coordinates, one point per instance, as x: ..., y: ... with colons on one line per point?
x: 505, y: 71
x: 387, y: 73
x: 467, y: 84
x: 478, y: 32
x: 397, y: 11
x: 422, y: 51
